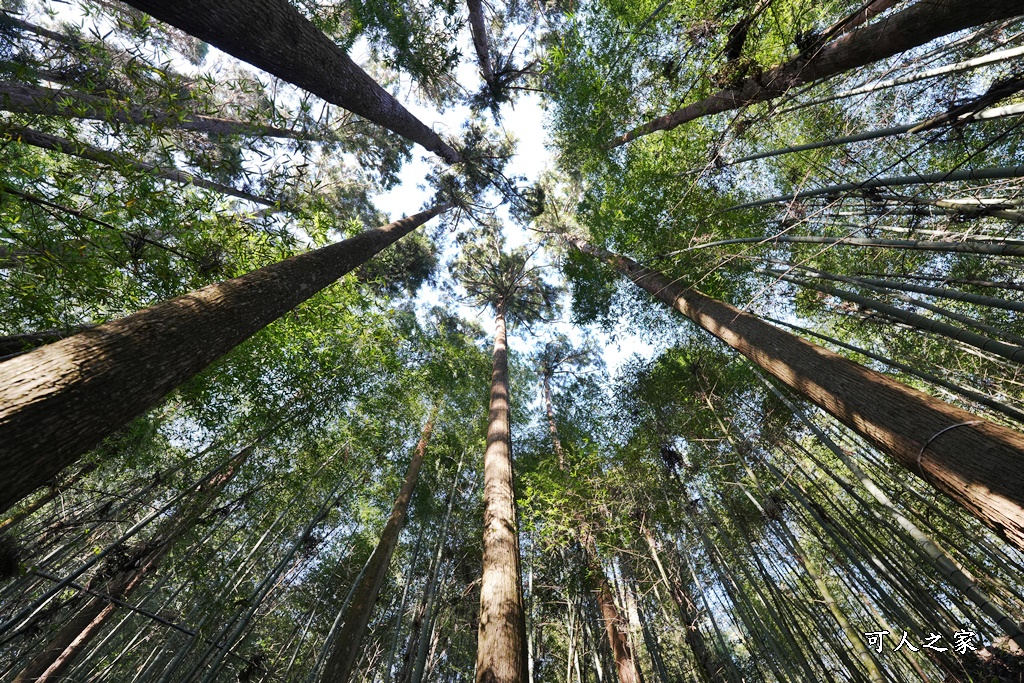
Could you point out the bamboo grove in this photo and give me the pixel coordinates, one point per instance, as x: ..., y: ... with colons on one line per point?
x: 313, y: 371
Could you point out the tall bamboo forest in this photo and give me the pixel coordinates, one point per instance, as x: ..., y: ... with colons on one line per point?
x: 511, y: 341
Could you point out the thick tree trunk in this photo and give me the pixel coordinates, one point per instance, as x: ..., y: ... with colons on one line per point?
x: 481, y: 43
x: 59, y: 401
x: 274, y: 36
x: 83, y: 150
x: 973, y: 461
x: 942, y: 561
x: 54, y: 491
x: 38, y: 100
x: 501, y: 639
x: 15, y: 344
x: 346, y: 649
x: 920, y: 23
x: 979, y: 398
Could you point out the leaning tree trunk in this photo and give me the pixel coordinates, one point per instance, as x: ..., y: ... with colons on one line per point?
x: 274, y: 36
x: 345, y: 649
x: 1008, y: 351
x: 481, y: 43
x: 985, y: 115
x: 64, y: 649
x: 501, y: 639
x: 920, y: 23
x: 89, y: 152
x: 615, y: 624
x: 973, y: 461
x: 38, y: 100
x: 59, y: 401
x: 977, y: 397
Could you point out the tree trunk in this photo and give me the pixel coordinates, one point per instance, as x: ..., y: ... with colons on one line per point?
x: 347, y: 639
x: 83, y: 150
x: 985, y: 115
x: 15, y: 344
x: 481, y: 43
x: 973, y: 461
x: 979, y: 398
x: 920, y: 23
x: 949, y: 69
x: 706, y: 670
x: 60, y: 400
x: 501, y: 640
x: 991, y: 284
x: 952, y: 294
x: 38, y: 100
x: 947, y: 568
x: 274, y: 36
x: 615, y: 624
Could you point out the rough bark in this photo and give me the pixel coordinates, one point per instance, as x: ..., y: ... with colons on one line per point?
x: 89, y: 152
x: 348, y: 639
x: 60, y: 400
x: 481, y: 43
x: 920, y: 23
x: 274, y: 36
x: 13, y: 344
x: 971, y: 460
x: 615, y: 624
x: 501, y: 639
x: 943, y: 562
x: 38, y: 100
x: 979, y: 398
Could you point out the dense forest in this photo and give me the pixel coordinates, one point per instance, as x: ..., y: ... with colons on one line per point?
x: 313, y: 369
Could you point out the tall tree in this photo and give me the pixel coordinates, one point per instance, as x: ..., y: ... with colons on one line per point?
x: 274, y: 36
x: 516, y: 293
x: 916, y: 25
x: 61, y: 400
x: 345, y: 648
x: 925, y: 435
